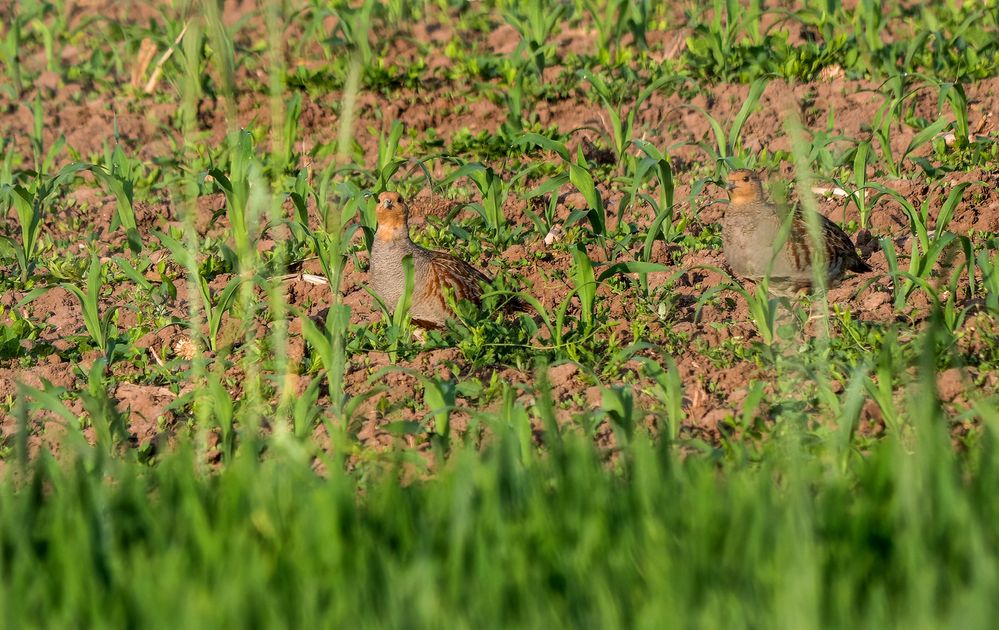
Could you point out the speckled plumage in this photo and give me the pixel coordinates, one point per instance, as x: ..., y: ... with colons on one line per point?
x: 433, y: 272
x: 751, y: 232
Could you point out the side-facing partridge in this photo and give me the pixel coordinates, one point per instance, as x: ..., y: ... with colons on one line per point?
x: 752, y: 234
x: 434, y: 273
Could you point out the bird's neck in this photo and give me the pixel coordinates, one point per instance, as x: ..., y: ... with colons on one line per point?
x: 745, y: 199
x: 392, y: 232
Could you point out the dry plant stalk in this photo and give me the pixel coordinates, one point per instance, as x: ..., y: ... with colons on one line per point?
x: 147, y: 50
x: 158, y: 70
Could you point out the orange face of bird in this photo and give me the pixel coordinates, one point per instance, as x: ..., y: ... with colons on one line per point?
x: 744, y: 186
x: 392, y: 214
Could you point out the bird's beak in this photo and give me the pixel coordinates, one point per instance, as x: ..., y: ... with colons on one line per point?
x: 730, y: 186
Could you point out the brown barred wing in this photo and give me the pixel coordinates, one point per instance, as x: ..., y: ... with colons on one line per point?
x: 799, y: 252
x: 466, y: 281
x: 840, y: 252
x: 841, y: 249
x: 454, y: 274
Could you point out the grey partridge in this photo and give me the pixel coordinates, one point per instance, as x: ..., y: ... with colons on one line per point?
x: 434, y: 273
x: 751, y: 240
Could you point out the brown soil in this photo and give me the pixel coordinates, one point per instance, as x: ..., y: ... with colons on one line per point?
x: 713, y: 396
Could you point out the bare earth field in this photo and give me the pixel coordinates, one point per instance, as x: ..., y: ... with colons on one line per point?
x: 710, y: 340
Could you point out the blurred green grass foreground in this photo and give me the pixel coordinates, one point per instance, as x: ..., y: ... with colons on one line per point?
x: 904, y: 535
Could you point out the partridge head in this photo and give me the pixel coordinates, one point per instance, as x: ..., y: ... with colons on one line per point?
x: 393, y: 217
x: 744, y: 187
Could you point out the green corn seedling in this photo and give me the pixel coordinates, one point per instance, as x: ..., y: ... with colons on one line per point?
x: 762, y: 307
x: 215, y: 307
x: 223, y: 413
x: 236, y: 188
x: 579, y: 176
x: 224, y: 58
x: 494, y: 192
x: 859, y: 195
x: 927, y: 246
x: 439, y: 397
x: 536, y: 21
x: 306, y: 413
x: 669, y: 393
x: 614, y: 18
x: 887, y: 115
x: 953, y: 94
x: 988, y: 263
x: 585, y: 287
x: 622, y: 122
x: 285, y: 160
x: 728, y: 145
x: 120, y: 176
x: 327, y: 343
x: 110, y: 424
x: 664, y: 227
x: 100, y: 327
x: 43, y: 157
x: 618, y: 404
x: 354, y: 25
x: 387, y: 162
x: 867, y: 24
x: 10, y: 49
x: 29, y: 206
